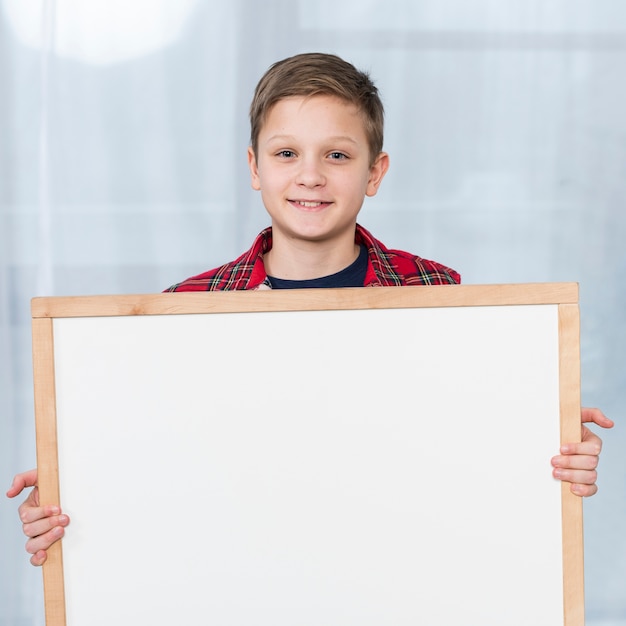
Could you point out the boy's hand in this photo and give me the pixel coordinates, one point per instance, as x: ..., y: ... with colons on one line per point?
x: 42, y: 524
x: 577, y: 462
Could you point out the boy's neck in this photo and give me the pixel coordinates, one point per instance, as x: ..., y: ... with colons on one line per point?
x: 295, y: 259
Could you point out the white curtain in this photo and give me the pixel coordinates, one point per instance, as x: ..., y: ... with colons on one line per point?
x: 123, y: 131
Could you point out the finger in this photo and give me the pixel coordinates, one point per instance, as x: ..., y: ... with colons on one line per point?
x: 39, y: 558
x: 30, y: 511
x: 43, y: 542
x: 576, y: 462
x: 576, y: 476
x: 590, y: 444
x: 42, y: 526
x: 584, y: 491
x: 21, y: 482
x: 596, y: 416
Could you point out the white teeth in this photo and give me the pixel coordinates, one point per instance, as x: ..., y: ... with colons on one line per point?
x: 310, y: 204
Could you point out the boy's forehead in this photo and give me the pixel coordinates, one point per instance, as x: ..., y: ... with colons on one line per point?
x: 327, y: 100
x: 297, y: 110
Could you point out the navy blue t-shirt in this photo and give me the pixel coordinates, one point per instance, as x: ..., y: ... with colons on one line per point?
x: 351, y: 276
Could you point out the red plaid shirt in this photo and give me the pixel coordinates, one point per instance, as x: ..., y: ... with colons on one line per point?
x: 384, y: 268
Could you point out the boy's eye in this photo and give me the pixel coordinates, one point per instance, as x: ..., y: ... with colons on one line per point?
x: 286, y: 154
x: 337, y: 155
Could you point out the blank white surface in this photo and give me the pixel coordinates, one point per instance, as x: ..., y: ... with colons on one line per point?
x: 339, y: 467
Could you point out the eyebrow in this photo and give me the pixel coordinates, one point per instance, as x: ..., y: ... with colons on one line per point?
x: 290, y: 138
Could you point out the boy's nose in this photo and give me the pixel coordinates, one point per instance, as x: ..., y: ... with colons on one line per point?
x: 310, y: 174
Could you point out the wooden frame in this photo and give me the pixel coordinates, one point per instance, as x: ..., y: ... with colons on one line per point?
x: 560, y: 300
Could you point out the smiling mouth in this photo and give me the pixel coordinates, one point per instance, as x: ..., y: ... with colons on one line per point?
x: 308, y: 204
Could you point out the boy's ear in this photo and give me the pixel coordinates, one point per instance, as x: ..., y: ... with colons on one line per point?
x: 254, y: 170
x: 377, y: 173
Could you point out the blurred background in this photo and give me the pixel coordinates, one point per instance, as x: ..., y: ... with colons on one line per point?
x: 123, y: 136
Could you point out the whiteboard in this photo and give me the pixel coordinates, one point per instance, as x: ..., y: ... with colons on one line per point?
x: 373, y: 463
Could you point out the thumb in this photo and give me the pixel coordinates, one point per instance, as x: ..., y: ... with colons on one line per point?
x: 21, y: 482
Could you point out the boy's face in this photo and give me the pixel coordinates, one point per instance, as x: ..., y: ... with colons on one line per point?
x: 313, y: 168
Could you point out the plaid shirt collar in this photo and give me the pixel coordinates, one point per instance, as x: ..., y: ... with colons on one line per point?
x: 385, y: 268
x: 248, y: 271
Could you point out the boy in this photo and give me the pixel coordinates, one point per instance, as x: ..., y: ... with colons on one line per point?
x: 316, y: 152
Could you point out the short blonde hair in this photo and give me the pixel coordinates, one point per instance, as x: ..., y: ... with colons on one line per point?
x: 316, y: 74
